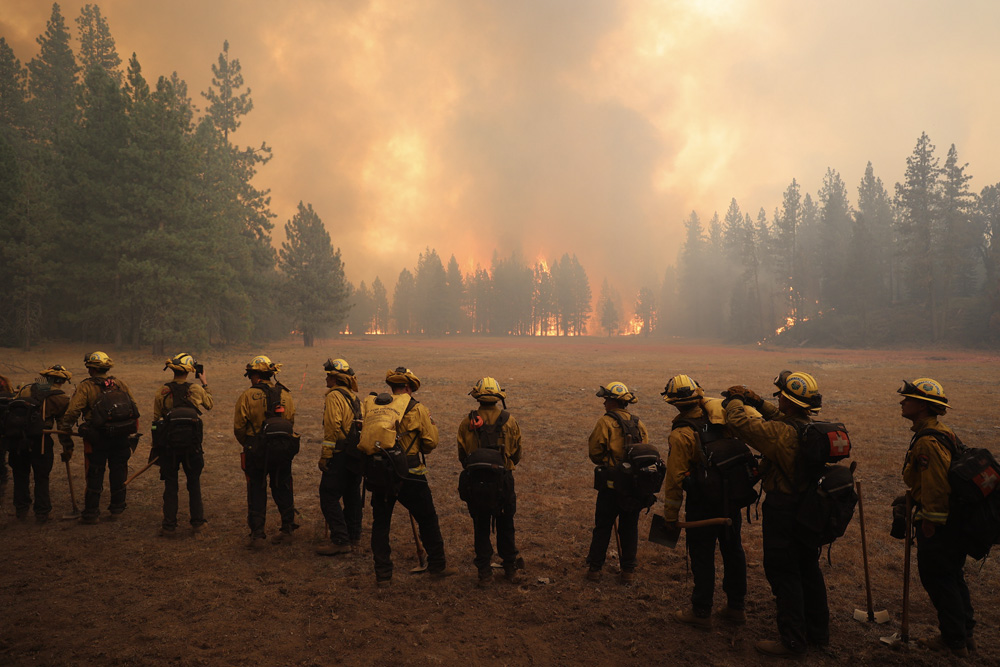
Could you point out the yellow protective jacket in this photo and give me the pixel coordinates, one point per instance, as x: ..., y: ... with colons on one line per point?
x: 338, y: 416
x: 775, y: 435
x: 925, y: 472
x: 418, y: 434
x: 53, y: 408
x: 83, y: 398
x: 199, y: 396
x: 251, y: 407
x: 510, y: 435
x: 607, y: 440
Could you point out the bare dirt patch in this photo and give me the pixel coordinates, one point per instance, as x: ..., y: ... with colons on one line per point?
x: 116, y: 594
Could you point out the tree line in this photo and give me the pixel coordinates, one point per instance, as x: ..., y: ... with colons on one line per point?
x: 129, y: 215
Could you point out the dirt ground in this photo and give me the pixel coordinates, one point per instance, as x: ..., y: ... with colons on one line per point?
x: 117, y: 594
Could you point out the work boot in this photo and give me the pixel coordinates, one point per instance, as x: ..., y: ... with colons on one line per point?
x: 511, y: 575
x: 593, y: 575
x: 485, y: 577
x: 114, y: 516
x: 443, y: 573
x: 257, y: 541
x: 89, y: 520
x: 356, y: 548
x: 626, y: 577
x: 383, y: 583
x: 333, y: 549
x: 775, y: 649
x: 734, y: 616
x: 21, y: 515
x: 688, y: 617
x: 282, y: 537
x: 167, y: 532
x: 936, y: 643
x: 198, y: 530
x: 41, y: 518
x: 970, y: 644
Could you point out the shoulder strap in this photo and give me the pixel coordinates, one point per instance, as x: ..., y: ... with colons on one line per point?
x: 409, y: 406
x: 630, y: 428
x: 502, y: 419
x: 181, y: 393
x: 354, y: 402
x: 953, y: 445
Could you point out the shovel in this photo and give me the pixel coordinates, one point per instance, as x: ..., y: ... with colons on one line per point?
x: 901, y: 639
x: 871, y: 616
x: 75, y: 514
x: 421, y: 554
x: 664, y: 535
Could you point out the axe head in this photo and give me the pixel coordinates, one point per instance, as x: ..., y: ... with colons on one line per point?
x: 663, y: 534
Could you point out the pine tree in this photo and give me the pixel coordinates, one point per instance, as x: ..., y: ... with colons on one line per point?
x: 958, y: 237
x: 872, y: 265
x: 645, y: 309
x: 380, y: 307
x: 542, y: 301
x: 787, y: 248
x: 918, y: 207
x: 52, y: 81
x: 609, y: 313
x: 97, y: 46
x: 692, y: 255
x: 13, y: 93
x: 403, y: 298
x: 362, y: 312
x: 430, y: 307
x: 455, y: 320
x: 315, y: 285
x: 834, y: 235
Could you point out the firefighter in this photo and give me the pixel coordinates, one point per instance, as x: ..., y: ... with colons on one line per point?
x: 180, y: 443
x: 417, y: 436
x: 339, y: 460
x: 110, y: 422
x: 607, y: 449
x: 791, y: 567
x: 941, y: 552
x: 260, y: 460
x: 489, y: 427
x: 695, y: 414
x: 34, y: 453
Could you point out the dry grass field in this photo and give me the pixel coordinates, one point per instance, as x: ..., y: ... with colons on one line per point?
x: 116, y: 594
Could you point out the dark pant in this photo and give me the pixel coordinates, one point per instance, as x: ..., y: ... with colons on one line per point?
x: 193, y: 462
x: 941, y: 564
x: 607, y: 510
x: 701, y: 546
x: 482, y: 523
x: 113, y: 454
x: 792, y: 569
x: 280, y: 474
x: 415, y: 496
x: 23, y: 463
x: 3, y: 467
x: 339, y: 482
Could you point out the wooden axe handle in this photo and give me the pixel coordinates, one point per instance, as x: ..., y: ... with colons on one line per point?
x: 720, y: 521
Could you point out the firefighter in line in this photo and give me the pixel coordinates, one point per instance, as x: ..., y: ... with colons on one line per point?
x: 792, y: 567
x: 686, y: 455
x: 339, y: 460
x: 182, y: 440
x: 110, y: 421
x: 417, y: 435
x: 607, y: 449
x: 260, y: 461
x: 34, y: 453
x: 941, y: 552
x: 490, y: 427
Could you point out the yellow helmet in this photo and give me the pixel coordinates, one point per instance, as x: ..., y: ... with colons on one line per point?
x: 97, y: 360
x: 402, y: 375
x: 617, y: 391
x: 182, y: 363
x: 487, y: 390
x: 682, y: 389
x: 57, y: 371
x: 262, y: 364
x: 342, y: 371
x: 799, y: 388
x: 924, y: 389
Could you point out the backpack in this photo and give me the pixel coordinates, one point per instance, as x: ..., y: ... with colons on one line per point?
x: 638, y: 477
x: 5, y: 398
x: 386, y: 464
x: 276, y: 442
x: 181, y: 428
x: 24, y: 418
x: 727, y: 472
x: 113, y: 414
x: 483, y: 483
x: 827, y: 505
x: 974, y: 507
x: 349, y: 445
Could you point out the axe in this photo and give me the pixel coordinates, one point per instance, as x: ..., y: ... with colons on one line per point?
x: 662, y: 534
x: 871, y: 616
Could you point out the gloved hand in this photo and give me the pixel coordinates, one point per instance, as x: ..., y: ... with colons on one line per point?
x: 133, y: 441
x: 323, y: 463
x: 153, y: 454
x: 898, y: 529
x: 66, y: 455
x: 737, y: 391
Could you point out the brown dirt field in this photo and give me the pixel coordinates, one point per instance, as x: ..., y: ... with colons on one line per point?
x: 116, y: 594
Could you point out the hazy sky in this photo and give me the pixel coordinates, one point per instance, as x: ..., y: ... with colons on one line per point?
x: 551, y: 126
